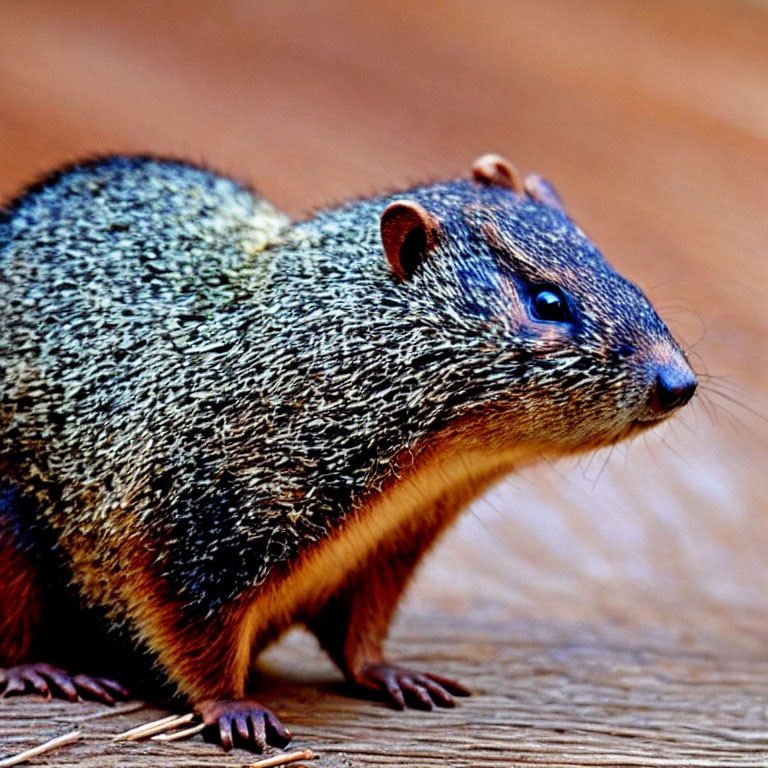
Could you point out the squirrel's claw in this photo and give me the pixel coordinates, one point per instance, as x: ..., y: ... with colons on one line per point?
x: 404, y: 687
x: 100, y: 688
x: 252, y: 724
x: 48, y: 681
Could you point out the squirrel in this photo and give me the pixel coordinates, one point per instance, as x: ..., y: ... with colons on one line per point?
x: 216, y: 422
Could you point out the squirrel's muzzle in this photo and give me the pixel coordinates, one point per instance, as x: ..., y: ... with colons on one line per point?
x: 674, y: 386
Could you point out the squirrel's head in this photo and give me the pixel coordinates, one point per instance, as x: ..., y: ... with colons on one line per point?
x: 544, y: 338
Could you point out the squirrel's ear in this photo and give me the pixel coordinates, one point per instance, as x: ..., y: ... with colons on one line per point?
x: 408, y: 234
x: 494, y: 169
x: 543, y: 192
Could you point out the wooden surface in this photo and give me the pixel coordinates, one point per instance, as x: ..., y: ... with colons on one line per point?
x: 611, y: 611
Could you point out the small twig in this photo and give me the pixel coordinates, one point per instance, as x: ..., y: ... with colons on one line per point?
x: 284, y: 758
x: 157, y: 726
x: 179, y: 734
x: 133, y: 706
x: 136, y: 729
x: 28, y: 754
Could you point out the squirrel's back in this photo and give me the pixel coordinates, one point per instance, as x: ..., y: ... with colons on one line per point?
x: 110, y: 274
x: 129, y: 233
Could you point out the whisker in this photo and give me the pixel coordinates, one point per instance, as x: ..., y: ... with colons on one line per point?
x: 731, y: 399
x: 706, y: 406
x: 682, y: 423
x: 725, y: 382
x: 590, y: 458
x: 605, y: 464
x: 703, y: 370
x: 663, y: 439
x: 739, y: 425
x: 662, y: 284
x: 706, y: 401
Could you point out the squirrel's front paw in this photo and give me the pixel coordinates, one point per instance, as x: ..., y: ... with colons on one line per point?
x: 405, y: 687
x: 251, y: 724
x: 49, y: 681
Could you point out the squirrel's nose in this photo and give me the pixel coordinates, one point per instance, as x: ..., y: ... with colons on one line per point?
x: 674, y: 387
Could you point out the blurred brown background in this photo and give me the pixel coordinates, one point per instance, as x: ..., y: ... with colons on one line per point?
x: 652, y: 119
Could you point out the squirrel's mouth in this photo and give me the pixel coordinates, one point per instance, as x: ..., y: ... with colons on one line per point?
x: 641, y: 425
x: 637, y: 426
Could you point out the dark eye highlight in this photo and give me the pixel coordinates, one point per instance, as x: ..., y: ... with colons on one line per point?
x: 549, y: 304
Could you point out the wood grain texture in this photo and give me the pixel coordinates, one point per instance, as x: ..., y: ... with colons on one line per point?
x: 608, y: 612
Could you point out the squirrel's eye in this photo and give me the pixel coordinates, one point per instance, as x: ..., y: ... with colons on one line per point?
x: 549, y: 304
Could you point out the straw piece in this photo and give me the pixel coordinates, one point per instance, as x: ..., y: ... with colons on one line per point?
x: 133, y: 706
x: 284, y: 758
x: 157, y: 726
x: 28, y: 754
x: 140, y: 728
x: 179, y: 734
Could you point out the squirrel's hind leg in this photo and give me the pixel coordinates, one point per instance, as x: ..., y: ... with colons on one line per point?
x: 353, y: 623
x: 20, y: 596
x: 22, y: 610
